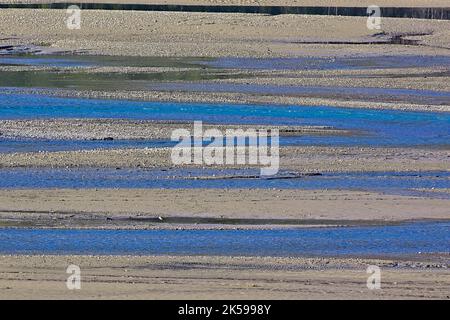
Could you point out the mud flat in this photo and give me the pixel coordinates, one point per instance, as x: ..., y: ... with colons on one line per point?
x: 166, y: 277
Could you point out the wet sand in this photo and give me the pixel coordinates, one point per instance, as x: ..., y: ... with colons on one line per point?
x: 181, y: 277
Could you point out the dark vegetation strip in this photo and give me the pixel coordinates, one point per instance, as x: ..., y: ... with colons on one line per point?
x: 392, y: 12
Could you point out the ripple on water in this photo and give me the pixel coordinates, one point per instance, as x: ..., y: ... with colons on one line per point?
x: 397, y: 240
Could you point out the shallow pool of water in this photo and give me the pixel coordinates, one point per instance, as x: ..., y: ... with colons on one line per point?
x: 407, y: 239
x: 308, y: 63
x: 299, y: 63
x: 90, y: 61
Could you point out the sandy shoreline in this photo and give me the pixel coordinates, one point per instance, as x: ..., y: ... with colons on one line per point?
x: 181, y: 277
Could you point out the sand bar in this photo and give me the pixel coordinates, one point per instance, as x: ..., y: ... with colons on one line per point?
x: 301, y: 159
x: 89, y: 129
x: 68, y: 208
